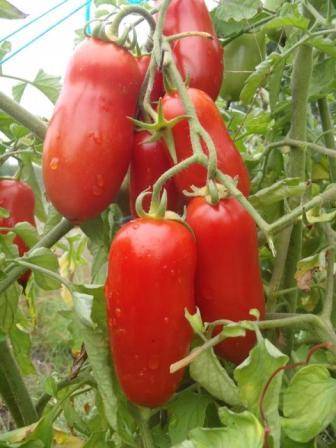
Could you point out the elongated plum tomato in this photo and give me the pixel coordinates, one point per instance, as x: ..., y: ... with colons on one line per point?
x: 228, y: 157
x: 198, y: 59
x: 228, y: 280
x: 88, y: 145
x: 18, y: 199
x: 158, y: 88
x: 149, y: 161
x: 150, y: 283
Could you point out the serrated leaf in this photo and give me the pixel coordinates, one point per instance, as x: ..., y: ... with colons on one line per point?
x: 48, y: 84
x: 323, y: 79
x: 8, y: 307
x: 257, y: 78
x: 8, y: 11
x: 211, y: 375
x: 252, y: 376
x: 289, y: 15
x: 309, y: 403
x: 238, y: 9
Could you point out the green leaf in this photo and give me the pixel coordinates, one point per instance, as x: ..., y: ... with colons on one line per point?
x: 27, y: 233
x: 18, y: 91
x: 323, y: 44
x: 83, y: 307
x: 21, y: 345
x: 252, y: 376
x: 48, y: 84
x: 258, y: 77
x: 258, y: 122
x: 241, y: 430
x: 4, y: 213
x: 46, y: 259
x: 322, y: 216
x: 211, y: 375
x: 323, y: 79
x: 8, y: 11
x: 8, y: 307
x: 309, y: 403
x: 238, y: 9
x: 97, y: 347
x: 289, y: 15
x: 283, y: 189
x: 5, y: 47
x: 186, y: 412
x: 275, y: 84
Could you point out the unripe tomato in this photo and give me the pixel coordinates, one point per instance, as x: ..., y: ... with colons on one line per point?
x: 18, y: 198
x: 199, y: 60
x: 229, y: 158
x: 158, y: 88
x: 241, y: 57
x: 149, y: 161
x: 88, y: 145
x: 228, y: 280
x: 150, y: 284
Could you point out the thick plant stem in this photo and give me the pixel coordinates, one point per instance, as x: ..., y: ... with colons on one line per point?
x: 142, y: 416
x: 13, y: 389
x: 297, y: 157
x: 34, y: 124
x: 13, y: 271
x: 327, y: 127
x: 328, y: 305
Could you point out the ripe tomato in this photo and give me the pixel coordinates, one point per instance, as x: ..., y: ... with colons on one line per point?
x: 228, y: 281
x: 150, y: 284
x: 88, y: 144
x: 149, y: 161
x: 158, y: 88
x: 18, y: 198
x: 242, y: 55
x: 229, y: 159
x: 198, y: 59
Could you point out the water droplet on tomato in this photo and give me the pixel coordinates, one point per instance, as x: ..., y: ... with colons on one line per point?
x: 153, y: 363
x: 100, y: 180
x: 54, y: 163
x: 117, y: 312
x: 166, y: 320
x: 96, y: 190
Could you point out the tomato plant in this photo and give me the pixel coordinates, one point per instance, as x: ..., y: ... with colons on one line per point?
x: 212, y: 326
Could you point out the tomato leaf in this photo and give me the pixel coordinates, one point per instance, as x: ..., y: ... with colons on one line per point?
x: 281, y: 190
x: 211, y: 375
x: 21, y: 344
x: 8, y: 11
x: 186, y: 412
x: 241, y: 430
x: 289, y: 16
x: 253, y: 374
x: 46, y: 259
x: 8, y: 307
x: 27, y: 233
x: 238, y: 9
x: 257, y: 78
x: 309, y: 403
x: 323, y: 44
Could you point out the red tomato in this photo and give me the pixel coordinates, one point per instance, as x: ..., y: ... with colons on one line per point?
x: 18, y: 198
x: 88, y: 145
x: 150, y: 284
x: 228, y: 280
x: 229, y: 158
x: 158, y: 88
x: 149, y: 161
x: 198, y: 59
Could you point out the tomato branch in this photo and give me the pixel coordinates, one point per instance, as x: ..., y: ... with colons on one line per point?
x: 329, y: 139
x: 12, y: 108
x: 330, y: 282
x: 330, y: 152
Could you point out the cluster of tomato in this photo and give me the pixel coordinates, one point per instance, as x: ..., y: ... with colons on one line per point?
x: 158, y: 268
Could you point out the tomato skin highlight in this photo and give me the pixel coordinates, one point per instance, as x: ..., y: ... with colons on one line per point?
x: 150, y: 282
x: 198, y: 59
x: 228, y: 280
x: 158, y: 88
x: 229, y: 158
x: 89, y: 140
x: 149, y: 161
x: 18, y: 198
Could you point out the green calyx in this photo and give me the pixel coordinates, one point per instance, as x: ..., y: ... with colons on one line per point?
x: 157, y: 208
x: 212, y: 192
